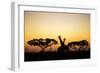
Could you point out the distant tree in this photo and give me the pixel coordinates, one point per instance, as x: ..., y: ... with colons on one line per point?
x: 84, y: 43
x: 43, y: 43
x: 81, y: 44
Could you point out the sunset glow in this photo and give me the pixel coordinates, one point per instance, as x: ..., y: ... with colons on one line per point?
x: 72, y: 26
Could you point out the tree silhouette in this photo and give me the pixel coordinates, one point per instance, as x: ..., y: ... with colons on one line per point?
x: 84, y: 43
x: 81, y: 44
x: 43, y: 43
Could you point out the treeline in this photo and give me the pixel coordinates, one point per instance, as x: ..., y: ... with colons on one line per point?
x: 82, y: 45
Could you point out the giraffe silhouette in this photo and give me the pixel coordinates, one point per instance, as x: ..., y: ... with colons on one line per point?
x: 63, y: 48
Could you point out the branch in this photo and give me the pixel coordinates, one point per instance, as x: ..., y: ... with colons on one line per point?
x: 41, y: 46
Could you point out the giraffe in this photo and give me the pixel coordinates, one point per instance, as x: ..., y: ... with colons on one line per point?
x: 63, y: 48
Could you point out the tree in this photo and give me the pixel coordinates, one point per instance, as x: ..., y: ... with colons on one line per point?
x: 81, y: 44
x: 43, y: 43
x: 84, y: 43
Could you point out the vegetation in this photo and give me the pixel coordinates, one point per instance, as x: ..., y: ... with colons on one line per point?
x: 43, y: 43
x: 63, y: 50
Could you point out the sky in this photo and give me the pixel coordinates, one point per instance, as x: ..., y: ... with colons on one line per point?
x: 72, y: 26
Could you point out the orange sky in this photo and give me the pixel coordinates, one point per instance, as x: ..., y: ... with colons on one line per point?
x: 73, y: 27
